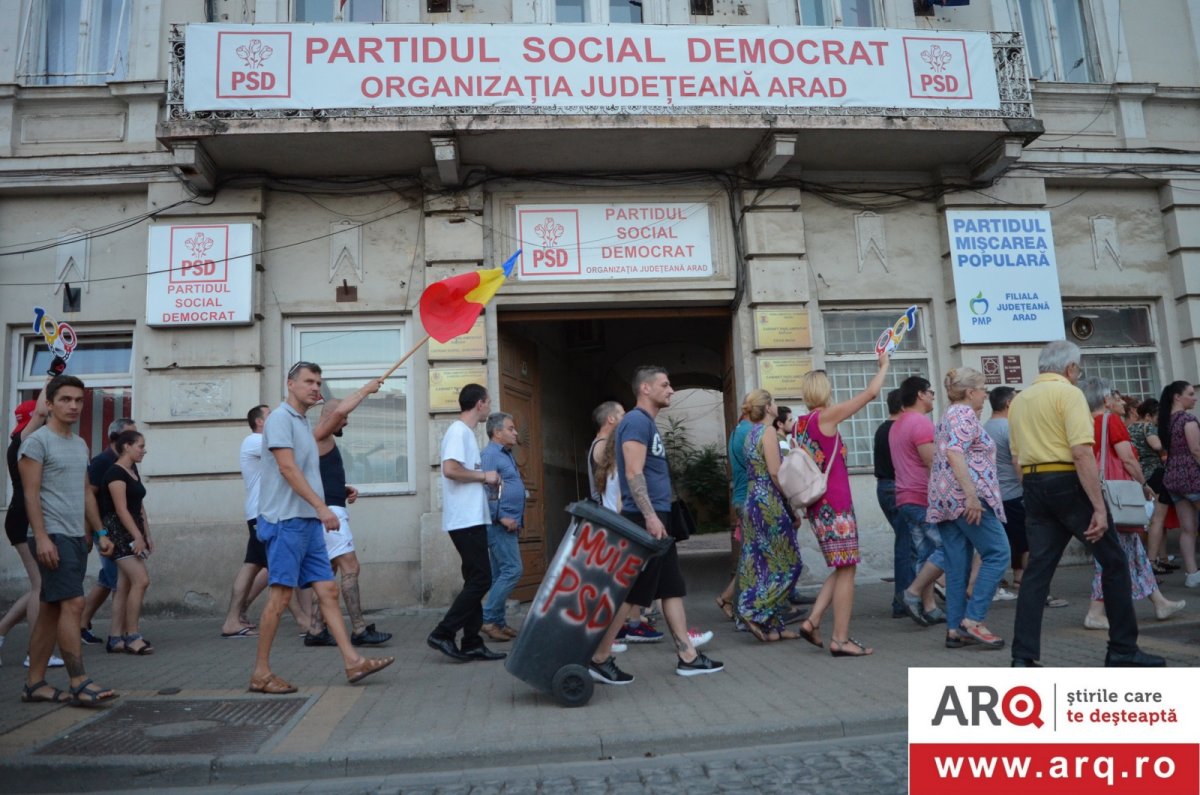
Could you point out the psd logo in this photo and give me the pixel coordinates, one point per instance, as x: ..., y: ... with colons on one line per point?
x: 937, y: 68
x: 1018, y: 706
x: 254, y: 65
x: 199, y: 254
x: 554, y: 235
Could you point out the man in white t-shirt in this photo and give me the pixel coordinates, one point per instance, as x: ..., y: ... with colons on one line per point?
x: 255, y: 561
x: 465, y: 516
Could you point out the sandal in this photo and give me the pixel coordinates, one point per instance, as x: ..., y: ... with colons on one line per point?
x: 840, y: 651
x: 141, y: 651
x: 982, y: 635
x: 30, y: 695
x: 1159, y: 569
x: 88, y: 694
x: 271, y: 685
x: 726, y: 607
x: 755, y: 629
x: 1054, y: 601
x: 368, y: 666
x: 115, y: 644
x: 809, y: 633
x: 787, y: 634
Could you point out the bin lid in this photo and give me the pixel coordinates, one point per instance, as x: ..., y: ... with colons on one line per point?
x: 596, y: 514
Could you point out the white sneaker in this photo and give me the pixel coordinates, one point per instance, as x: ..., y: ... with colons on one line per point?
x: 699, y: 638
x: 55, y: 661
x: 1192, y: 580
x: 1003, y: 595
x: 619, y: 648
x: 1095, y: 623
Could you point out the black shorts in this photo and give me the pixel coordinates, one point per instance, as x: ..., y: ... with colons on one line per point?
x: 65, y: 582
x: 256, y: 551
x: 16, y: 523
x: 1155, y: 482
x: 661, y: 579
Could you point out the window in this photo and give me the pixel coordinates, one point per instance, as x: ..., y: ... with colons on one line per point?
x: 850, y: 362
x: 838, y: 13
x: 1118, y: 345
x: 624, y: 11
x: 1058, y: 40
x: 377, y: 443
x: 570, y: 11
x: 75, y: 42
x: 338, y: 11
x: 103, y: 360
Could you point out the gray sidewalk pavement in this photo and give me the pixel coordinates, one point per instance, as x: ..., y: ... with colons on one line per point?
x: 426, y: 713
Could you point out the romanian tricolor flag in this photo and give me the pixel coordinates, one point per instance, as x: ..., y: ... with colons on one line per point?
x: 450, y: 307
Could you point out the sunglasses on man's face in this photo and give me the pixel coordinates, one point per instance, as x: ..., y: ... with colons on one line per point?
x: 298, y: 366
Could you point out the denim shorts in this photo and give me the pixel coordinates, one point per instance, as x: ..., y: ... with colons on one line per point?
x: 1194, y: 497
x: 296, y: 553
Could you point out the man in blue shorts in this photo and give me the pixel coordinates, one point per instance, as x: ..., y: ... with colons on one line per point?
x: 292, y: 522
x: 646, y: 501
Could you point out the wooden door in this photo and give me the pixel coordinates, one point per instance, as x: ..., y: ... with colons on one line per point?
x: 519, y: 383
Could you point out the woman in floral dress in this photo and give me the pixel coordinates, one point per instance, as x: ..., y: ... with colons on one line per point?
x: 832, y: 516
x: 770, y: 561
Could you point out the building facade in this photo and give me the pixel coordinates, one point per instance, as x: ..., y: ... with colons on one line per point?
x: 739, y: 190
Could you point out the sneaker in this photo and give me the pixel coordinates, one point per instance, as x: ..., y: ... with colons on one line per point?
x: 698, y: 666
x: 1192, y: 580
x: 324, y: 639
x: 642, y: 633
x: 619, y: 648
x: 1003, y: 595
x: 699, y: 638
x: 370, y: 637
x: 608, y: 672
x: 55, y: 661
x: 88, y: 638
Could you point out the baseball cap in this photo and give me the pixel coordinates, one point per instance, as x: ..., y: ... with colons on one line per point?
x: 24, y: 413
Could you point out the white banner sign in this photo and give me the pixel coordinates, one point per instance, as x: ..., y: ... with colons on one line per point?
x: 561, y: 68
x: 660, y: 240
x: 1005, y: 276
x: 200, y: 275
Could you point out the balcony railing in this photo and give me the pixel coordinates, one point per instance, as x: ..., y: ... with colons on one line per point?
x: 1008, y: 51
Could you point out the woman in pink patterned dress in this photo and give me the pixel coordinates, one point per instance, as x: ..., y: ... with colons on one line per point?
x: 832, y: 516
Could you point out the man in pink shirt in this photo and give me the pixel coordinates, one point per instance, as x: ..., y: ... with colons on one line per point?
x: 911, y: 443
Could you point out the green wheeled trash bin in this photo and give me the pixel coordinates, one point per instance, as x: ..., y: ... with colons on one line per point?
x: 596, y: 564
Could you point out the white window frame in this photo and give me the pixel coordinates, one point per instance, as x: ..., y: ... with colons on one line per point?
x: 1049, y: 19
x: 833, y: 12
x: 34, y: 51
x: 903, y: 364
x: 1149, y: 350
x: 595, y: 12
x: 296, y: 326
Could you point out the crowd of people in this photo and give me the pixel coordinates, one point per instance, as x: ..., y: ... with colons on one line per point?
x: 968, y: 501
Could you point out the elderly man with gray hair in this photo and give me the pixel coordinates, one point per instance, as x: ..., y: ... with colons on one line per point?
x: 507, y: 515
x: 1052, y: 435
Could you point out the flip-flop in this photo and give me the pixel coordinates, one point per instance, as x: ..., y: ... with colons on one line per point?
x: 244, y: 632
x: 30, y: 695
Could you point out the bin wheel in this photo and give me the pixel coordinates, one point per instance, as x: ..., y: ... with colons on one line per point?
x: 572, y: 686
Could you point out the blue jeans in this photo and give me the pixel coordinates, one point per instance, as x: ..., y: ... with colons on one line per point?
x: 904, y: 567
x: 988, y: 539
x: 505, y: 554
x: 925, y: 537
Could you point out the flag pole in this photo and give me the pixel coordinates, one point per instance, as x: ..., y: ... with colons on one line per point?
x: 404, y: 358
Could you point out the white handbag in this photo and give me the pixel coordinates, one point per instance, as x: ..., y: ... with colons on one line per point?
x: 1125, y: 499
x: 801, y: 479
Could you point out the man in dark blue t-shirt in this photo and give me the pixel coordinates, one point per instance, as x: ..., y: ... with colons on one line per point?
x: 646, y: 501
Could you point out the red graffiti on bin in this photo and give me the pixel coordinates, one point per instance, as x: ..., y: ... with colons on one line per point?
x: 584, y: 602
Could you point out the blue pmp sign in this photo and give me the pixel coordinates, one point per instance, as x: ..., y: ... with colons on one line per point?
x: 1005, y: 276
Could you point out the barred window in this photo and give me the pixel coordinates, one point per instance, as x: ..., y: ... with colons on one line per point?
x: 1118, y: 345
x: 850, y: 362
x: 376, y: 445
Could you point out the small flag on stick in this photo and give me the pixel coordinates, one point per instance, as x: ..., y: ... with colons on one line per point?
x: 450, y: 307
